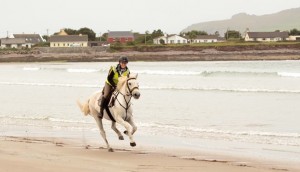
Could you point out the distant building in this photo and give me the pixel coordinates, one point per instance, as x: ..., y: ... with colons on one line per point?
x: 266, y: 36
x: 207, y: 39
x: 14, y: 43
x: 170, y: 39
x: 68, y: 41
x: 294, y: 38
x: 62, y: 39
x: 120, y: 36
x: 31, y: 39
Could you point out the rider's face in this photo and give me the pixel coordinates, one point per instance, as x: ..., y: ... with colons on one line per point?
x: 123, y: 64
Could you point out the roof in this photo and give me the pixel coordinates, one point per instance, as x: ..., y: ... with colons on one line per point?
x: 30, y: 38
x: 207, y: 37
x: 268, y: 34
x: 69, y: 38
x: 119, y: 34
x: 13, y: 41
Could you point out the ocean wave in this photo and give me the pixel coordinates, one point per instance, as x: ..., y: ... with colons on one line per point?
x: 165, y: 72
x: 205, y: 73
x: 47, y: 119
x: 258, y: 90
x: 289, y: 74
x: 216, y: 131
x: 83, y: 70
x: 31, y: 68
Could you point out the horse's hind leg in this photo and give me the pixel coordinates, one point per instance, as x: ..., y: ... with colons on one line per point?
x: 102, y: 132
x: 113, y: 126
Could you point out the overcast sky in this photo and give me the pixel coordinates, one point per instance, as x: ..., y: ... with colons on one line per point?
x: 172, y: 16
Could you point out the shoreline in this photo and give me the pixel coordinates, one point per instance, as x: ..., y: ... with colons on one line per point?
x: 68, y: 155
x: 171, y: 55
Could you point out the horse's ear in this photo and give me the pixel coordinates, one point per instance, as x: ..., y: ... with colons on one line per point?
x: 128, y: 75
x: 136, y: 75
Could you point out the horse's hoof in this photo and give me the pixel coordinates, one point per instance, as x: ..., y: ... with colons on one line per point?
x: 121, y: 138
x: 133, y: 144
x: 126, y: 132
x: 110, y: 150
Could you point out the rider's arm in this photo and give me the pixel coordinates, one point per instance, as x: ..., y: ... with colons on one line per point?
x: 110, y: 77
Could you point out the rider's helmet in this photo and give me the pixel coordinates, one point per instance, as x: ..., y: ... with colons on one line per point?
x: 123, y: 59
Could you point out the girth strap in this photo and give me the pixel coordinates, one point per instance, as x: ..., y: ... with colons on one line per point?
x: 109, y: 114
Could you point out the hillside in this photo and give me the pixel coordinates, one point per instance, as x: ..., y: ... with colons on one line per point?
x: 284, y: 20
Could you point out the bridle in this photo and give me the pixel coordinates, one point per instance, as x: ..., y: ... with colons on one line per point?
x: 127, y: 106
x: 131, y: 90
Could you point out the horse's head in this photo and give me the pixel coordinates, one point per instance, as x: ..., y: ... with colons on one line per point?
x: 133, y: 86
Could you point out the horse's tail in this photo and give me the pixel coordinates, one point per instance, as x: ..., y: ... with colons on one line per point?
x: 84, y: 107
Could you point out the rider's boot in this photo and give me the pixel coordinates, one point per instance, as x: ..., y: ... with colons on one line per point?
x: 102, y: 106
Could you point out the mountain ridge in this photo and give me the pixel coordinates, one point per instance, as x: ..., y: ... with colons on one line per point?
x: 284, y: 20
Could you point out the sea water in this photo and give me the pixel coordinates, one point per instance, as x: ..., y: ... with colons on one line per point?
x: 242, y: 108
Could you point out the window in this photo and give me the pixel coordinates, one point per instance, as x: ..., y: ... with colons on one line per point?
x: 184, y: 41
x: 178, y: 41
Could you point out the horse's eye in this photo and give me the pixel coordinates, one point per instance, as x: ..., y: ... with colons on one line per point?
x: 129, y: 83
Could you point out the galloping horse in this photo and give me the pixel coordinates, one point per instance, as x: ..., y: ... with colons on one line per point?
x: 120, y: 111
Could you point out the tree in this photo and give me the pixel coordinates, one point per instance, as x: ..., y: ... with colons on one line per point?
x: 89, y: 32
x: 194, y: 32
x: 161, y: 41
x: 192, y: 36
x: 70, y: 31
x: 156, y: 34
x: 46, y: 37
x: 294, y: 32
x: 232, y: 34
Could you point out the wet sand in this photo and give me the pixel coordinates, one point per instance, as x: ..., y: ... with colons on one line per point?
x: 45, y: 154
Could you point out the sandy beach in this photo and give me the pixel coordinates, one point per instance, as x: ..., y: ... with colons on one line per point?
x: 44, y: 154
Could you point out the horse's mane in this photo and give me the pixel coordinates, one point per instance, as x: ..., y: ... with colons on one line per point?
x: 121, y: 82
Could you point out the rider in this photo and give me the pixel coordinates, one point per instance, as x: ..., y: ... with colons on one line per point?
x: 112, y: 80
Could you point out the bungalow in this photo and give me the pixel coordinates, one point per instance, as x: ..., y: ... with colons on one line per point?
x: 206, y: 39
x: 14, y: 43
x: 170, y: 39
x: 68, y: 41
x: 31, y: 39
x: 266, y: 36
x: 294, y: 38
x: 120, y: 36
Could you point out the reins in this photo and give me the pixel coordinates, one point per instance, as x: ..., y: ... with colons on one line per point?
x: 124, y: 96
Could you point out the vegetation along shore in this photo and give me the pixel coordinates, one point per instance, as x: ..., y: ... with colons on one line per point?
x: 194, y: 52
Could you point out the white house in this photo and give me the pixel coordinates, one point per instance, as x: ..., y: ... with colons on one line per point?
x: 170, y: 39
x: 14, y: 43
x: 31, y: 39
x: 266, y: 36
x: 294, y: 38
x: 206, y: 39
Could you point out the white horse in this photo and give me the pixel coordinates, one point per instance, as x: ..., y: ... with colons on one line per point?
x: 121, y: 111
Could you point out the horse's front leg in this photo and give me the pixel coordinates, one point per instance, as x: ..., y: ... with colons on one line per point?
x: 113, y: 126
x: 129, y: 128
x: 102, y: 132
x: 134, y: 127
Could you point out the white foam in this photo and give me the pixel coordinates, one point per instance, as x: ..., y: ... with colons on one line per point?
x: 289, y: 74
x: 31, y: 68
x: 83, y: 70
x: 165, y: 72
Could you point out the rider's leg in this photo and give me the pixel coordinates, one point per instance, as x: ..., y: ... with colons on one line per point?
x: 105, y: 98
